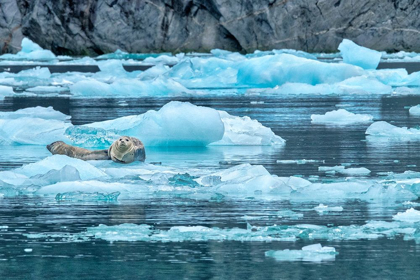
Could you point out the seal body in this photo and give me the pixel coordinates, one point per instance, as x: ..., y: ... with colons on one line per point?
x: 125, y: 150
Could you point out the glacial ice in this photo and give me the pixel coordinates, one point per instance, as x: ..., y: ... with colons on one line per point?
x: 387, y: 130
x: 245, y: 131
x: 119, y: 54
x: 175, y: 124
x: 415, y: 110
x: 30, y: 51
x: 310, y: 253
x: 359, y: 56
x: 82, y: 196
x: 6, y: 91
x: 409, y: 216
x: 341, y: 117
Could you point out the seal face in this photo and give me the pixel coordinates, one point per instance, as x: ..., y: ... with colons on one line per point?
x: 127, y: 149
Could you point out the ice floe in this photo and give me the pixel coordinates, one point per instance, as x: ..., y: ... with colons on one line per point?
x: 321, y: 208
x: 360, y: 56
x: 409, y: 216
x: 386, y: 130
x: 310, y: 253
x: 415, y: 110
x: 30, y: 51
x: 175, y: 124
x: 341, y: 117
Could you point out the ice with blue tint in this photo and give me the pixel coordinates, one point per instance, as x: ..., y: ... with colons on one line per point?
x: 415, y: 110
x: 245, y: 131
x: 353, y: 85
x: 341, y: 117
x: 82, y: 196
x: 310, y: 253
x: 175, y: 124
x: 409, y: 216
x: 386, y: 130
x: 6, y: 91
x: 258, y: 53
x: 358, y: 55
x: 119, y: 54
x: 127, y: 88
x: 143, y: 232
x: 30, y: 51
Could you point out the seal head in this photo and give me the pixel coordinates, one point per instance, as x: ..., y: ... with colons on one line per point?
x: 126, y: 150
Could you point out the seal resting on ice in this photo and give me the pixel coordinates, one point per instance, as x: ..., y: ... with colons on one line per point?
x: 125, y: 150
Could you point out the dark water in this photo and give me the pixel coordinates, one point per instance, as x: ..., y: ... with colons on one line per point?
x: 289, y: 117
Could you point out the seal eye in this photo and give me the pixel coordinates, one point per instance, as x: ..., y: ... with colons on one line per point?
x: 126, y: 140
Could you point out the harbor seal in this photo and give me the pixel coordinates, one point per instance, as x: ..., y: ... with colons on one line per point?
x: 125, y: 150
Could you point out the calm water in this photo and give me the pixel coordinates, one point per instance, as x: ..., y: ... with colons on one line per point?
x: 289, y: 117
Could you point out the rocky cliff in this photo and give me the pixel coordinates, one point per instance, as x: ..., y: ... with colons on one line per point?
x: 91, y: 27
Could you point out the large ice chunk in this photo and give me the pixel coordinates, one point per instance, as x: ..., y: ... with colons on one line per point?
x: 46, y: 113
x: 245, y: 131
x: 175, y: 124
x: 360, y: 56
x: 341, y: 117
x: 30, y: 51
x: 310, y: 253
x: 289, y: 68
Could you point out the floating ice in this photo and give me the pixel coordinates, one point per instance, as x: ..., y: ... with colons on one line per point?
x: 360, y: 56
x: 245, y: 131
x: 86, y: 170
x: 175, y: 124
x: 387, y: 130
x: 337, y: 168
x: 353, y: 85
x: 6, y: 91
x: 289, y: 68
x: 127, y: 88
x: 325, y: 208
x: 143, y: 232
x: 46, y: 113
x: 415, y: 110
x: 118, y: 54
x: 82, y: 196
x: 30, y: 51
x: 311, y: 253
x: 299, y: 161
x: 356, y: 171
x: 410, y: 216
x: 341, y: 117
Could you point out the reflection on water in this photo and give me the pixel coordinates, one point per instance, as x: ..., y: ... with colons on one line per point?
x: 289, y: 117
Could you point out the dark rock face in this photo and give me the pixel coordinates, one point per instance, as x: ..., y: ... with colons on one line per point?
x: 92, y: 27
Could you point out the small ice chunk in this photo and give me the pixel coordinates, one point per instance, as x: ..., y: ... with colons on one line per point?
x: 57, y: 162
x: 415, y: 110
x: 357, y: 171
x: 409, y: 216
x: 299, y: 161
x: 28, y: 250
x: 84, y: 196
x: 359, y: 56
x: 6, y: 91
x: 245, y: 131
x: 341, y: 117
x: 325, y: 208
x: 311, y: 253
x: 331, y: 168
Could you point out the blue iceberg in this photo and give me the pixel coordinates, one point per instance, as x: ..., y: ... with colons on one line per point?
x: 359, y: 56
